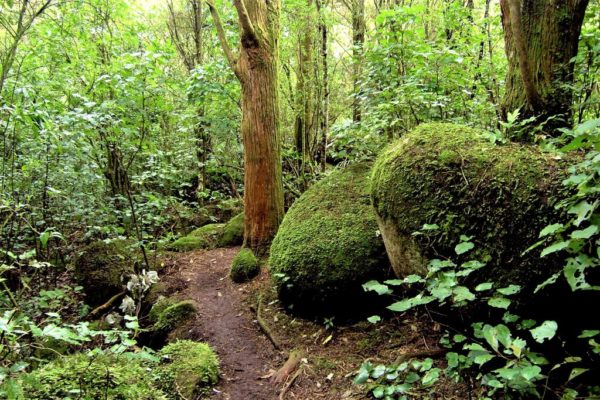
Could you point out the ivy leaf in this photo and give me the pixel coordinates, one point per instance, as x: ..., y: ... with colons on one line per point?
x: 463, y: 247
x: 462, y: 293
x: 547, y: 330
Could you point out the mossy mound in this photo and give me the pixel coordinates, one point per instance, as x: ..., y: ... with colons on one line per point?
x: 101, y: 269
x: 206, y: 237
x: 168, y: 314
x: 452, y: 176
x: 233, y: 232
x: 90, y: 378
x: 327, y: 247
x: 189, y: 368
x: 244, y: 267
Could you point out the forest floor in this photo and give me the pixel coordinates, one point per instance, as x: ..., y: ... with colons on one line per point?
x: 327, y: 358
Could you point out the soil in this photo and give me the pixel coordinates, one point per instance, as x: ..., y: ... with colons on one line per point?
x: 330, y: 355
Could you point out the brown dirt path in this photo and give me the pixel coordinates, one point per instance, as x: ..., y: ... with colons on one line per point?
x: 227, y: 324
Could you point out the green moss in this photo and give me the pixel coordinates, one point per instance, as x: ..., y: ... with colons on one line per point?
x: 168, y: 314
x: 101, y: 268
x: 244, y: 267
x: 206, y: 237
x: 453, y: 176
x: 90, y: 378
x: 327, y: 246
x: 189, y: 368
x: 233, y: 232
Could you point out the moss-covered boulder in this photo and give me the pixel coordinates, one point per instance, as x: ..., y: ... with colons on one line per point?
x: 168, y: 313
x: 114, y: 377
x: 328, y: 246
x: 102, y: 268
x: 189, y: 368
x: 244, y: 267
x: 206, y: 237
x: 454, y: 177
x: 233, y: 232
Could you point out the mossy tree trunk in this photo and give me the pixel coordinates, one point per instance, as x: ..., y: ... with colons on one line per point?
x: 256, y: 69
x: 541, y: 38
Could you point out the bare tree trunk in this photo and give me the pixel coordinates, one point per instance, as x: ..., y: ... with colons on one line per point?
x: 256, y: 68
x: 324, y: 108
x: 541, y: 38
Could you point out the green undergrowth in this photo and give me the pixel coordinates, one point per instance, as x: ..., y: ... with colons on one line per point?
x: 244, y: 266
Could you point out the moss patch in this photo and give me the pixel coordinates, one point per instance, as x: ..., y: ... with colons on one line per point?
x: 101, y: 267
x: 233, y: 232
x: 244, y: 267
x: 453, y: 176
x: 327, y: 246
x: 206, y: 237
x: 92, y: 377
x: 168, y: 314
x: 189, y: 368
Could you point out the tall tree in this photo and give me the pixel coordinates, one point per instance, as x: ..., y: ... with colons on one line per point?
x: 256, y: 69
x: 358, y: 41
x: 186, y: 31
x: 541, y: 39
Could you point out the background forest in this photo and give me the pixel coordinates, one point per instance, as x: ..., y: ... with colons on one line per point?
x: 121, y: 120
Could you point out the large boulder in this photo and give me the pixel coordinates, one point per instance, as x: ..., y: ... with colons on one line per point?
x: 206, y: 237
x: 102, y: 269
x: 328, y: 246
x: 454, y: 177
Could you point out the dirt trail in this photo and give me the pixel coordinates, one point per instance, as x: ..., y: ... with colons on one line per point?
x: 226, y: 323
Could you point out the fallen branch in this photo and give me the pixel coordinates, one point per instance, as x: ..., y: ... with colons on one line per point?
x: 106, y: 305
x: 263, y: 325
x: 420, y: 354
x: 290, y: 366
x: 289, y: 384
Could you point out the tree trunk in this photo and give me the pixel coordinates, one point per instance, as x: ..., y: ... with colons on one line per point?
x: 256, y: 68
x: 358, y: 40
x: 541, y: 38
x: 324, y: 107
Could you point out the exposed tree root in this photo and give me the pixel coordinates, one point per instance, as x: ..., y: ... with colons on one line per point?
x: 96, y: 311
x: 263, y: 325
x: 288, y: 368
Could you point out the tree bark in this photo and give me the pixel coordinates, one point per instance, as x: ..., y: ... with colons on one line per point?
x: 541, y: 38
x: 358, y: 40
x: 256, y: 68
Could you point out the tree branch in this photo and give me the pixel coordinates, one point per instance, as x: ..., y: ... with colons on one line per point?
x: 231, y: 59
x: 245, y: 22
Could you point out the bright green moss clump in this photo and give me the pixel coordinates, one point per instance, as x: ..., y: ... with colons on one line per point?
x: 244, y: 267
x: 233, y: 232
x: 189, y: 368
x: 206, y: 237
x: 92, y: 377
x: 328, y: 246
x: 168, y: 314
x: 454, y: 177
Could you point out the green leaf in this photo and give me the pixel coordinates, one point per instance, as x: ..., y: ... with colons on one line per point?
x: 582, y: 210
x: 430, y: 227
x: 431, y: 377
x: 547, y: 282
x: 374, y: 319
x: 550, y: 230
x: 553, y: 248
x: 463, y: 247
x: 585, y: 233
x: 575, y: 372
x: 509, y: 290
x: 407, y: 304
x: 588, y: 334
x: 461, y: 293
x: 499, y: 302
x: 547, y: 330
x: 484, y: 286
x: 531, y: 372
x: 377, y: 287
